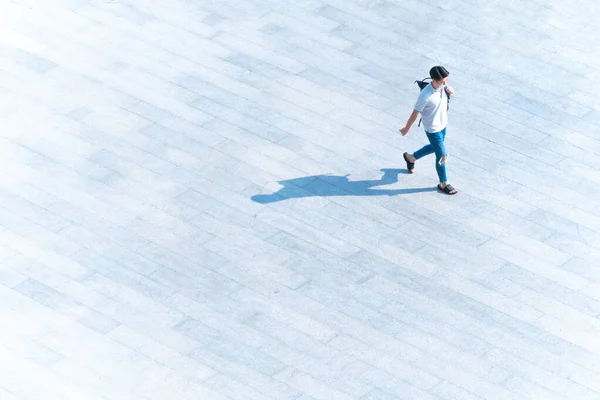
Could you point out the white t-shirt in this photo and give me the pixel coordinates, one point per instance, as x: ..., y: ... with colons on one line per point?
x: 433, y: 106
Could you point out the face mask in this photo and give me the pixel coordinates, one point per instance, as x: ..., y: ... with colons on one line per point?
x: 441, y: 86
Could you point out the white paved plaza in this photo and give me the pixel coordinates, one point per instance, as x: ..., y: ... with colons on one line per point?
x: 206, y: 200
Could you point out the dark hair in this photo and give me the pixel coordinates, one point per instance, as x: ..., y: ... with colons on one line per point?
x: 438, y: 73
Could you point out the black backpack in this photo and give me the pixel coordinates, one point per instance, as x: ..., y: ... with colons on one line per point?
x: 422, y: 85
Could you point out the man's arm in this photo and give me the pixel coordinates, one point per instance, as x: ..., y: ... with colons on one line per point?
x: 411, y: 120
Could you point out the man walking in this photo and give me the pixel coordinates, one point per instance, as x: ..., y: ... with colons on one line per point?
x: 432, y: 104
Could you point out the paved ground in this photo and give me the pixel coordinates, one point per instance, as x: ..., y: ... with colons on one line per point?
x: 207, y: 200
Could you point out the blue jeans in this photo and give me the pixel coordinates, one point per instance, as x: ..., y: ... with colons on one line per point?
x: 436, y: 140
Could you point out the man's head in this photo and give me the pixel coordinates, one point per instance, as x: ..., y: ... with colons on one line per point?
x: 439, y: 75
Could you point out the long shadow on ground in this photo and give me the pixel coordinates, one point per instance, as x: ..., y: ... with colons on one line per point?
x: 333, y: 185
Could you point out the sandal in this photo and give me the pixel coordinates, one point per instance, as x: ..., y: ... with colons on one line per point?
x: 410, y: 166
x: 448, y: 189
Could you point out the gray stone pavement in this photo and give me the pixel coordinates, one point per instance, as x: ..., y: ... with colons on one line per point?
x: 206, y: 199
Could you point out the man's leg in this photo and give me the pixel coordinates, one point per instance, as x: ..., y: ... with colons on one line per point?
x: 411, y: 159
x: 440, y: 161
x: 441, y: 156
x: 445, y: 156
x: 422, y: 152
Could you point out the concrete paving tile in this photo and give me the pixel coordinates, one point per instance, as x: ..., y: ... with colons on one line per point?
x: 209, y: 199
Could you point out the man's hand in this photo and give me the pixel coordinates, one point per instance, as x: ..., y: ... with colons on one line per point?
x: 449, y: 90
x: 404, y: 130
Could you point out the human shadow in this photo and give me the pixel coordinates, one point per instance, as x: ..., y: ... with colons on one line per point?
x: 332, y: 185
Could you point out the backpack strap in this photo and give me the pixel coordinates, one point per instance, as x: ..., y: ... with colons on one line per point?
x: 422, y: 83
